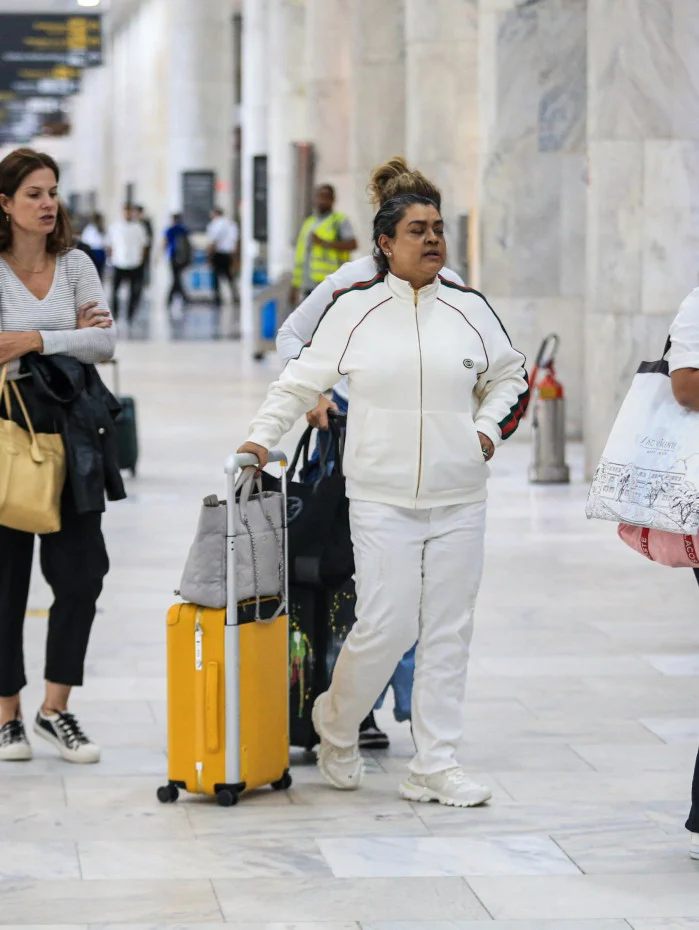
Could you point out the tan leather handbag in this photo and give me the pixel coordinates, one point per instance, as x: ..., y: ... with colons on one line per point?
x: 32, y: 470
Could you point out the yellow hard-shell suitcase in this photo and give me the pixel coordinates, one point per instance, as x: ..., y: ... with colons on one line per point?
x: 228, y: 694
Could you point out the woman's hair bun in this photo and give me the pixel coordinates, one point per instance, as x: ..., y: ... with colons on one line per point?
x: 394, y: 177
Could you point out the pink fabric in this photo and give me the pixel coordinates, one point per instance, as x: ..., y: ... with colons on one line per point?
x: 671, y: 549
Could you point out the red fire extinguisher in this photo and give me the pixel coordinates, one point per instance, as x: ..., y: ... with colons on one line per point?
x: 548, y: 426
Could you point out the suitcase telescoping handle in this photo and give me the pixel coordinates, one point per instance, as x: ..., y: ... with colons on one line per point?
x: 234, y: 463
x: 114, y: 362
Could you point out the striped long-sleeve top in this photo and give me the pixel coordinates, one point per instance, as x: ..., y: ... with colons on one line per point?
x: 75, y: 283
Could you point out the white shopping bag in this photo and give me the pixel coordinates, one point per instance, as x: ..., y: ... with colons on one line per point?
x: 649, y: 471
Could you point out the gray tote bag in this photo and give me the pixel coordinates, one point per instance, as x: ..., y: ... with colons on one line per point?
x: 259, y: 547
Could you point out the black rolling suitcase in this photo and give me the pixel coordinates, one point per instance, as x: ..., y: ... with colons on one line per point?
x: 126, y: 428
x: 321, y: 564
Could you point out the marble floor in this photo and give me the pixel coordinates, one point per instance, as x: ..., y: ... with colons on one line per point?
x: 582, y: 715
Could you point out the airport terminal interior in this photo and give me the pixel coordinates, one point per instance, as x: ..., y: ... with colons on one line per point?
x: 564, y: 138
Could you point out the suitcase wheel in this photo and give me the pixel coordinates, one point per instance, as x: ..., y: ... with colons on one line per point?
x: 284, y: 782
x: 226, y: 797
x: 168, y: 794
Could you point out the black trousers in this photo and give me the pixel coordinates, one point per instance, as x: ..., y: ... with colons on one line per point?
x: 135, y: 278
x: 222, y: 267
x: 693, y: 819
x: 177, y: 285
x: 74, y: 562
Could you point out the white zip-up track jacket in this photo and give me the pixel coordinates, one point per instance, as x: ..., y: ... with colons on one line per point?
x: 427, y: 371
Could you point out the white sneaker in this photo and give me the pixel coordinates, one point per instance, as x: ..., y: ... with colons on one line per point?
x: 341, y: 768
x: 14, y: 745
x: 694, y: 847
x: 63, y: 731
x: 452, y: 787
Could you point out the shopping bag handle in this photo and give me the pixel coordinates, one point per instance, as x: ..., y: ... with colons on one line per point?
x: 5, y: 393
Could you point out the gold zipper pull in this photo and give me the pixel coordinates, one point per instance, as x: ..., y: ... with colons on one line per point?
x: 415, y: 293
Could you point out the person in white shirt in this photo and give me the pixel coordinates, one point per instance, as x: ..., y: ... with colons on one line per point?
x: 127, y: 243
x: 683, y: 365
x: 434, y: 385
x: 94, y: 236
x: 223, y: 235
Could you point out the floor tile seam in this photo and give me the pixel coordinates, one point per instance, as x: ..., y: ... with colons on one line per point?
x: 477, y: 897
x: 566, y: 854
x: 502, y: 787
x: 589, y: 765
x: 212, y: 885
x: 658, y: 738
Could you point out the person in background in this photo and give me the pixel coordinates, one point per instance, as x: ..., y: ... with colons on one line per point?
x: 223, y: 236
x: 324, y: 244
x: 683, y: 362
x: 140, y: 217
x: 434, y: 385
x: 388, y: 180
x: 52, y: 311
x: 127, y: 244
x: 94, y: 235
x: 179, y: 253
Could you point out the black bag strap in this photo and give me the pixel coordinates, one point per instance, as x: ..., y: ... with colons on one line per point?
x: 302, y: 447
x: 335, y: 445
x: 668, y: 343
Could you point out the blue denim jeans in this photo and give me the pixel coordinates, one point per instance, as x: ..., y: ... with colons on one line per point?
x: 402, y: 680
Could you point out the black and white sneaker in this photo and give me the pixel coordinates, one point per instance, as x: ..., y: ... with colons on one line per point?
x: 14, y: 745
x: 63, y: 730
x: 370, y: 737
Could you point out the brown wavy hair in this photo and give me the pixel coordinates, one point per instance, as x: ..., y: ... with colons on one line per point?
x: 14, y: 168
x: 394, y: 178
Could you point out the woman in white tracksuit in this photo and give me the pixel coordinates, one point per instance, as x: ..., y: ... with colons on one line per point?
x: 434, y: 386
x: 387, y: 180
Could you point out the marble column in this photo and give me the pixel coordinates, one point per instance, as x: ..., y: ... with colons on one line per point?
x: 199, y: 85
x: 532, y: 86
x: 643, y: 201
x: 328, y: 76
x: 287, y: 104
x: 254, y: 124
x: 441, y: 105
x: 377, y: 101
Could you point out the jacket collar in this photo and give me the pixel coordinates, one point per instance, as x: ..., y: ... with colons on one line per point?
x: 404, y: 289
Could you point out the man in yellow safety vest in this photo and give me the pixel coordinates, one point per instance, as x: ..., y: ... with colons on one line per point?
x: 324, y: 243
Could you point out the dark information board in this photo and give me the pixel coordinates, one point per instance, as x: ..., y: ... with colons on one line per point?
x: 40, y: 80
x: 259, y: 198
x: 51, y: 39
x: 198, y: 192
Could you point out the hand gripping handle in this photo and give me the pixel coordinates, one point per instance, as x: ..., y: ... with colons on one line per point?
x: 246, y: 459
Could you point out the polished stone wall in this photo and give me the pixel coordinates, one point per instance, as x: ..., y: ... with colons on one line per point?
x: 643, y: 202
x: 532, y: 198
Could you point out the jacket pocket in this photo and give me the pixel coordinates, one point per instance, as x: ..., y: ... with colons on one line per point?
x: 452, y: 456
x: 383, y: 449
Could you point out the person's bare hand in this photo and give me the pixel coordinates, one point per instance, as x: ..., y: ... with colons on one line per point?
x: 487, y: 446
x: 260, y: 452
x: 90, y: 314
x: 15, y: 345
x: 318, y: 417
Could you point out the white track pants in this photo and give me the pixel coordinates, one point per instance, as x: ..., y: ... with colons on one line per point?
x: 417, y: 574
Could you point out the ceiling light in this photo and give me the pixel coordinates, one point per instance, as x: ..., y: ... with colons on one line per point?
x: 89, y: 2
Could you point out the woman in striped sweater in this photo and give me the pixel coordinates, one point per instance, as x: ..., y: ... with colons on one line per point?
x: 51, y: 302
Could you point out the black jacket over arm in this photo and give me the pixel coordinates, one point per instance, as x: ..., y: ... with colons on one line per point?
x: 84, y: 411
